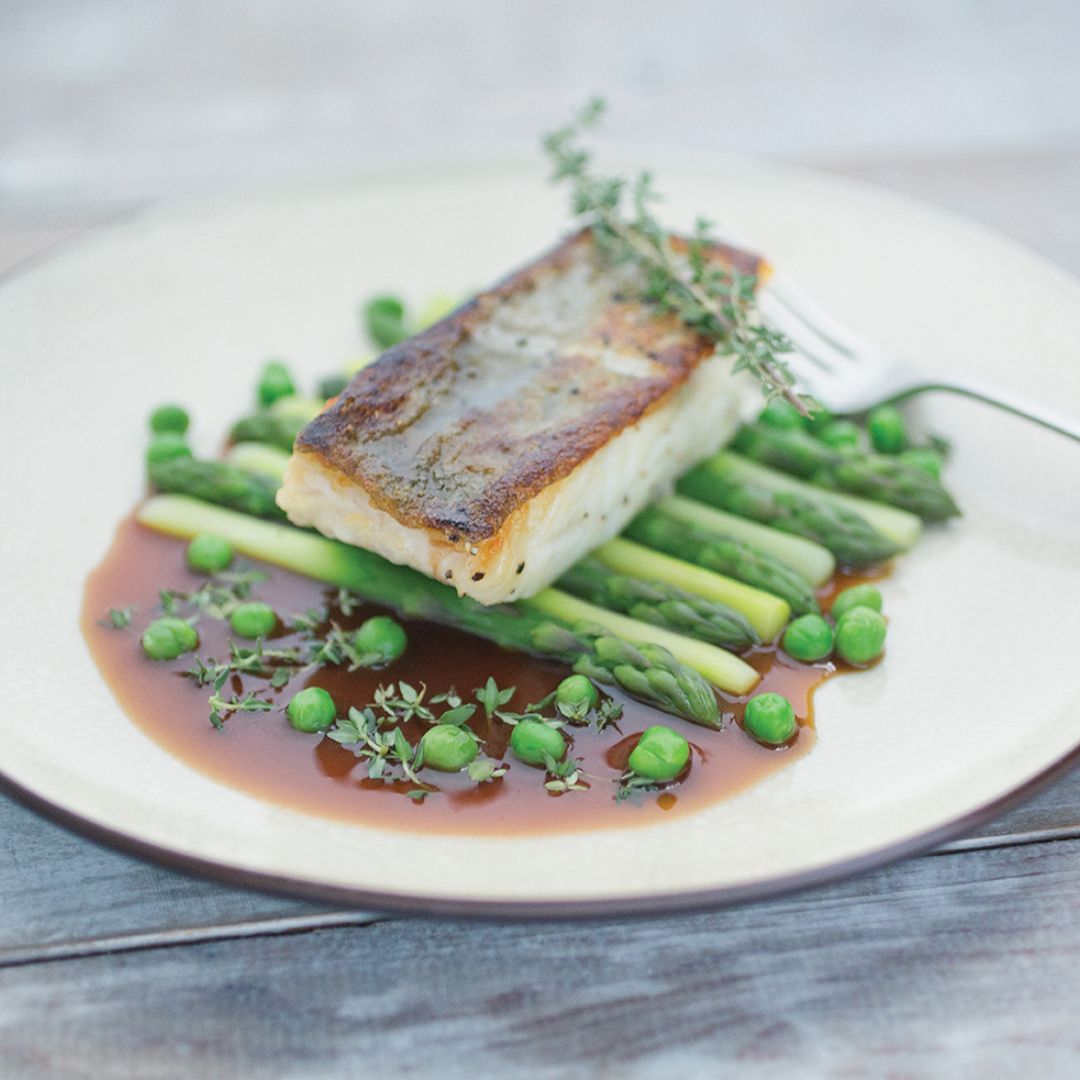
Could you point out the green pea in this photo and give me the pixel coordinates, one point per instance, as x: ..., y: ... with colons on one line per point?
x: 384, y: 319
x: 781, y: 414
x: 209, y: 553
x: 166, y: 446
x: 840, y: 434
x: 808, y: 638
x: 311, y: 709
x: 770, y: 718
x: 929, y: 461
x: 169, y: 418
x: 253, y: 619
x: 661, y: 754
x: 331, y: 386
x: 887, y: 430
x: 448, y: 748
x: 856, y: 596
x: 168, y: 637
x: 531, y: 740
x: 380, y: 638
x: 819, y: 419
x: 860, y: 635
x: 274, y: 383
x: 577, y: 694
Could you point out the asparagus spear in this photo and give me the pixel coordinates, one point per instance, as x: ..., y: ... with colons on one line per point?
x: 814, y: 562
x: 767, y: 614
x: 218, y: 482
x: 879, y: 477
x: 273, y: 428
x: 691, y: 542
x: 261, y: 458
x: 552, y: 625
x: 753, y: 491
x: 721, y: 668
x: 660, y: 604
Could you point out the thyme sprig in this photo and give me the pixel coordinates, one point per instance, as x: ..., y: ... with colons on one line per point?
x: 710, y: 298
x: 221, y: 709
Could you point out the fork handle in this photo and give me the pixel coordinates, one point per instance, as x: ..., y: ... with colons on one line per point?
x: 1054, y: 419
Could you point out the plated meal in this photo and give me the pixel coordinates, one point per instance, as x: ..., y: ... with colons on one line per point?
x: 545, y: 563
x: 973, y: 702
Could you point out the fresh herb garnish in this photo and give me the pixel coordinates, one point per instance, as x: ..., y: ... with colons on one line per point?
x: 630, y: 785
x: 220, y: 709
x: 567, y: 775
x: 118, y: 618
x: 714, y: 300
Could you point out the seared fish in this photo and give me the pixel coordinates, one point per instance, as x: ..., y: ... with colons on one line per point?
x: 497, y: 447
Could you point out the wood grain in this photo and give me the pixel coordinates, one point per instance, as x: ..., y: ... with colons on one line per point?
x: 943, y: 966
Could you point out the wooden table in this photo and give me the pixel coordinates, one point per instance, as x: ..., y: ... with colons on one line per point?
x: 959, y: 963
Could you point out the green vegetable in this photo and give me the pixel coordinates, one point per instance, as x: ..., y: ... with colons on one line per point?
x: 840, y: 435
x: 275, y: 429
x: 661, y: 754
x: 659, y: 603
x: 531, y: 740
x: 767, y: 614
x: 448, y: 748
x: 380, y: 637
x: 858, y: 532
x: 888, y: 433
x: 770, y: 718
x: 168, y: 446
x: 169, y: 418
x: 922, y: 457
x: 209, y: 553
x: 808, y: 638
x: 781, y: 414
x: 217, y: 482
x: 261, y: 458
x: 721, y: 668
x: 744, y: 562
x: 856, y: 596
x: 576, y: 694
x: 792, y: 450
x: 168, y: 637
x: 274, y: 383
x: 384, y: 320
x: 811, y: 561
x: 311, y: 709
x: 819, y: 419
x: 253, y: 619
x: 332, y: 385
x: 878, y: 477
x: 860, y: 635
x: 666, y: 682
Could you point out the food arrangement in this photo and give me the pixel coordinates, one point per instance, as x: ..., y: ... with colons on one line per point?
x: 556, y: 467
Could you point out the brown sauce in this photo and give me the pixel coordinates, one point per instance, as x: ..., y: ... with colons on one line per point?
x: 261, y: 754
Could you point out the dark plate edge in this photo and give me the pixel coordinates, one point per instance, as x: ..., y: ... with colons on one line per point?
x: 639, y: 906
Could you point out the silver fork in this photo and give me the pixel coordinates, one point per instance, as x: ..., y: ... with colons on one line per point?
x: 848, y: 374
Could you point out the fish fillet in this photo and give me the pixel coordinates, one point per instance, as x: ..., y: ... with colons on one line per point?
x: 497, y: 447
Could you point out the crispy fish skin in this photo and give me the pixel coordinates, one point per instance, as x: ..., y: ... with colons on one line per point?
x: 498, y: 446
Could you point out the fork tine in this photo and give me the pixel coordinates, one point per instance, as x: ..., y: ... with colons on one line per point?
x: 814, y: 318
x: 817, y: 351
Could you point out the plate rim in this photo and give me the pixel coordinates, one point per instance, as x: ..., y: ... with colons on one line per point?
x: 641, y: 905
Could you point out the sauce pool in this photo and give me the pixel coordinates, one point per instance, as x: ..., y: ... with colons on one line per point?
x: 261, y: 754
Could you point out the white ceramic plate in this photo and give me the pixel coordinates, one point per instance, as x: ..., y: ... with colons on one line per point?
x: 979, y: 696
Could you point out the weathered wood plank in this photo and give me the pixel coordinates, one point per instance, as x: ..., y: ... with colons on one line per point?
x: 945, y: 966
x: 59, y: 892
